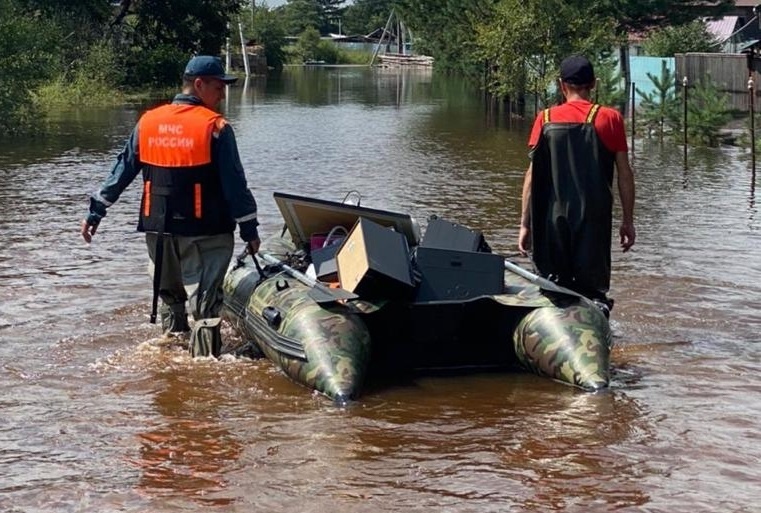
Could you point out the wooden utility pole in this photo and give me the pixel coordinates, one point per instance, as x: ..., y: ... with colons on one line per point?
x: 243, y: 50
x: 383, y: 34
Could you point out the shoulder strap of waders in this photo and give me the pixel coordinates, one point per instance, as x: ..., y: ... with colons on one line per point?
x: 158, y: 262
x: 592, y: 113
x: 545, y: 116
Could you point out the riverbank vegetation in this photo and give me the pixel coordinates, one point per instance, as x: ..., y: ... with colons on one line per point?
x: 515, y: 46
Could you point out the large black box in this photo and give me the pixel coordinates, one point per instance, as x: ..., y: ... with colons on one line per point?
x: 443, y: 234
x: 374, y: 262
x: 447, y: 275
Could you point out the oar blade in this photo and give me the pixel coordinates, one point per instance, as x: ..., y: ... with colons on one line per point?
x: 321, y: 294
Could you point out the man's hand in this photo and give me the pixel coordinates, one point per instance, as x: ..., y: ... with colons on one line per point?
x: 628, y: 235
x: 88, y: 230
x: 524, y: 240
x: 253, y: 246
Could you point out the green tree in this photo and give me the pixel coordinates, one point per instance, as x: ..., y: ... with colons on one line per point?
x: 608, y: 90
x: 300, y: 15
x: 447, y: 30
x: 660, y: 109
x: 156, y: 41
x: 268, y: 30
x: 94, y: 80
x: 365, y: 16
x: 198, y: 26
x: 27, y: 59
x: 643, y: 15
x: 524, y: 44
x: 691, y: 37
x: 707, y: 112
x: 329, y: 12
x: 322, y: 15
x: 75, y: 26
x: 307, y: 46
x: 463, y: 35
x: 640, y: 15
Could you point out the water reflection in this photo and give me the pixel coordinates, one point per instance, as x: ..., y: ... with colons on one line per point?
x: 752, y: 202
x: 562, y: 474
x: 483, y: 440
x: 322, y: 86
x: 187, y: 450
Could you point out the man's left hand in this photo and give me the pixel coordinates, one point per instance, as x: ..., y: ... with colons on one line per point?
x: 88, y: 230
x: 628, y: 235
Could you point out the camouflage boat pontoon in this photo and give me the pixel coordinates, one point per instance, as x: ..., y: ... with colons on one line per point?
x: 333, y: 341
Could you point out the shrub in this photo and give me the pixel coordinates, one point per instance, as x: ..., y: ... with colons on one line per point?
x: 707, y: 112
x: 692, y: 37
x: 93, y: 80
x: 26, y: 62
x: 156, y: 67
x: 660, y: 109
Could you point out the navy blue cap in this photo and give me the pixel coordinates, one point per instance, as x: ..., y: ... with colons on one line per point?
x: 577, y: 70
x: 208, y: 66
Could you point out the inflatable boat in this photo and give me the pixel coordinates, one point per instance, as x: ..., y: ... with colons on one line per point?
x: 456, y: 307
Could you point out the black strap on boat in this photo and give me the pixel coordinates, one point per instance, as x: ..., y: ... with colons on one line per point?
x: 259, y: 269
x: 239, y: 262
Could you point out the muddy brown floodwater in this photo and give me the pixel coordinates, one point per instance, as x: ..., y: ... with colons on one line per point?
x: 95, y: 417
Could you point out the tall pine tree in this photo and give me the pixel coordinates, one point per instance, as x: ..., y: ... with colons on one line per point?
x: 320, y: 14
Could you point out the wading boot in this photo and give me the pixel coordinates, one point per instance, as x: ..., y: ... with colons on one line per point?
x: 174, y: 322
x: 206, y: 338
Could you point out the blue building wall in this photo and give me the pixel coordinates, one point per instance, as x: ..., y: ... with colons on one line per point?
x: 641, y: 66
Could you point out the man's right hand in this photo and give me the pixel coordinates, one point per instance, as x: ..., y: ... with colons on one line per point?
x: 88, y: 230
x: 253, y: 246
x: 524, y: 241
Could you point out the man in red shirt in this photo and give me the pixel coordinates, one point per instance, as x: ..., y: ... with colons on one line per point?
x: 567, y: 192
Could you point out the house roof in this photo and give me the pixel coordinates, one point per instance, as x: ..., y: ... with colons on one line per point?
x: 722, y: 28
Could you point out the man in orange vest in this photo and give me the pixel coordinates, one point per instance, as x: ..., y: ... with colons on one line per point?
x: 567, y: 199
x: 194, y: 193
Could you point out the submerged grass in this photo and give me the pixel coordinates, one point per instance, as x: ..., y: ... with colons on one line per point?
x: 63, y: 93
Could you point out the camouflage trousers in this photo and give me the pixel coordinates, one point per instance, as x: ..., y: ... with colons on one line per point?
x: 193, y: 270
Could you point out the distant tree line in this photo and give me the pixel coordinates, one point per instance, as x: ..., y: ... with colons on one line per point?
x: 515, y: 46
x: 90, y: 51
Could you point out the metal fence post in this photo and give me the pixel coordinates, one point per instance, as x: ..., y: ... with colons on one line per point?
x: 684, y: 118
x: 752, y: 104
x: 634, y: 129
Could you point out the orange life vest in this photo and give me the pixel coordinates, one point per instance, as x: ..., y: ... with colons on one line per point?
x: 182, y: 192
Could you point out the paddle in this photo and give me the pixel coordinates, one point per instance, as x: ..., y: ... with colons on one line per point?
x: 542, y: 283
x: 319, y: 292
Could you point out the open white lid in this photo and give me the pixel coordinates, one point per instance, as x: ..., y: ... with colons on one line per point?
x: 305, y: 216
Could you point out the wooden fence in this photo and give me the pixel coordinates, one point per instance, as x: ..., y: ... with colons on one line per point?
x: 728, y: 71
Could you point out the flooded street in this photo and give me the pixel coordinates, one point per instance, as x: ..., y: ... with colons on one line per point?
x: 97, y: 417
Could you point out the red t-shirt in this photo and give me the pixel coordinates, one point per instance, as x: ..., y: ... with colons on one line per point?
x: 609, y: 124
